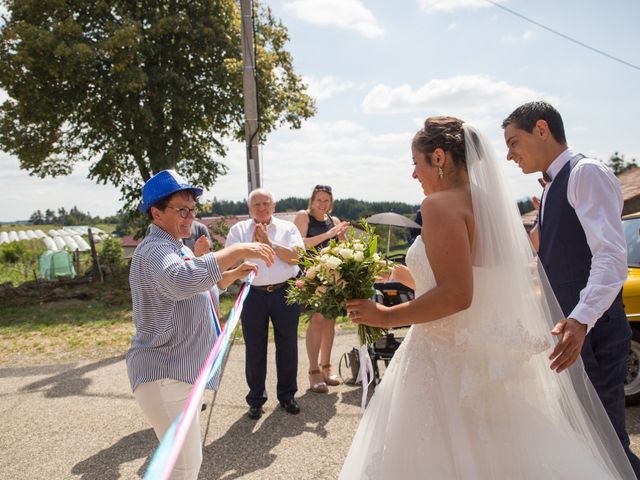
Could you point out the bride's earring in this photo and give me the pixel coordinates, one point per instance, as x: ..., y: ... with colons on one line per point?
x: 440, y: 173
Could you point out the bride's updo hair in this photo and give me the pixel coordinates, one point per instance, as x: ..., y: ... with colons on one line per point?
x: 445, y: 133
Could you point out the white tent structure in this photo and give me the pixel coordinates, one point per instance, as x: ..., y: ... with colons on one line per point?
x: 57, y: 239
x: 82, y: 245
x: 60, y: 243
x: 71, y: 243
x: 50, y: 244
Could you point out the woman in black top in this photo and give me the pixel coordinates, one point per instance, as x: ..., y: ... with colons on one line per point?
x: 317, y: 228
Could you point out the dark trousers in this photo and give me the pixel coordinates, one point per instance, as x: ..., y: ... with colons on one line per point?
x: 605, y: 360
x: 259, y: 307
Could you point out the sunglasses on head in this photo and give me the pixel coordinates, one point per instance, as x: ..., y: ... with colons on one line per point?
x: 322, y: 188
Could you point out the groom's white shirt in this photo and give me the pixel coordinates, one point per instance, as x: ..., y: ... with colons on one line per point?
x: 594, y: 193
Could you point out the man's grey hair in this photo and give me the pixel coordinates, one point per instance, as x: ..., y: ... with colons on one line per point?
x: 260, y: 191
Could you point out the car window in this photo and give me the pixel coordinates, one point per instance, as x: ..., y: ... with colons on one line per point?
x: 632, y: 236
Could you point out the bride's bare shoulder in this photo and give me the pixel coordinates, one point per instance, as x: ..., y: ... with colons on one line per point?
x: 447, y: 202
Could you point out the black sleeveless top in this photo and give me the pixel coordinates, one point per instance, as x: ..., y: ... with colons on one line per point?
x: 318, y: 227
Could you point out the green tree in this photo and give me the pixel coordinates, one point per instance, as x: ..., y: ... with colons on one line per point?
x: 137, y: 87
x: 525, y: 205
x: 49, y: 216
x: 37, y: 218
x: 619, y: 165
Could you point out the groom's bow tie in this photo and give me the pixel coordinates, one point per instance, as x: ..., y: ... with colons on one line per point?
x: 546, y: 177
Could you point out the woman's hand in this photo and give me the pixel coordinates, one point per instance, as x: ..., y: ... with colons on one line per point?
x: 400, y: 273
x: 339, y: 230
x: 368, y: 312
x: 202, y: 246
x: 261, y: 251
x: 242, y: 270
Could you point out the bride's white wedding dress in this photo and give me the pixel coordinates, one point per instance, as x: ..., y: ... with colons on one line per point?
x: 471, y: 396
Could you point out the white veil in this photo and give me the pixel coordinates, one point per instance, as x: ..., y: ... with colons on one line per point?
x: 523, y: 316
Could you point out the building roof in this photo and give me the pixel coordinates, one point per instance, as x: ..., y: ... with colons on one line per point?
x: 630, y: 184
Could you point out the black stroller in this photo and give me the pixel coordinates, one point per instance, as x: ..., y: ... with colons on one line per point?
x: 389, y: 294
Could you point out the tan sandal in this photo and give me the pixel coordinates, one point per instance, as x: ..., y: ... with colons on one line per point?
x: 330, y: 378
x: 315, y: 385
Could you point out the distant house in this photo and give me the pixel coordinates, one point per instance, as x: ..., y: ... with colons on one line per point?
x: 630, y: 183
x: 129, y: 244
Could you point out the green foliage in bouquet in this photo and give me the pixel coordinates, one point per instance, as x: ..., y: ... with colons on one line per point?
x: 344, y: 270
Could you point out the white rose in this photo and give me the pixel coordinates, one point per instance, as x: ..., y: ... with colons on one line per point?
x: 358, y: 247
x: 324, y: 258
x: 325, y: 250
x: 376, y: 256
x: 358, y: 256
x: 333, y: 262
x: 346, y: 253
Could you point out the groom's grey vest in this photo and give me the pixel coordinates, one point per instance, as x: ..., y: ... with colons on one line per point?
x: 564, y: 250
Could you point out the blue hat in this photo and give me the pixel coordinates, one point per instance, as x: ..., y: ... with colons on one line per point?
x: 161, y: 185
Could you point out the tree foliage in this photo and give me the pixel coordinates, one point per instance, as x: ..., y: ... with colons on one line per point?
x: 525, y: 205
x: 619, y: 165
x: 135, y: 87
x: 345, y: 209
x: 64, y: 217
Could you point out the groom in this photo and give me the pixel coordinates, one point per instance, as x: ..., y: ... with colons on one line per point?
x: 583, y: 251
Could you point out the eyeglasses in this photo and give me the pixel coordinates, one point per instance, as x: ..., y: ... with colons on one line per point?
x: 322, y: 188
x: 184, y: 212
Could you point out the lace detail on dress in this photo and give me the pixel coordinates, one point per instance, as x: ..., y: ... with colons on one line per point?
x: 483, y: 345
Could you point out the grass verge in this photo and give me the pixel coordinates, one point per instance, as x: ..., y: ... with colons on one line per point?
x: 70, y: 330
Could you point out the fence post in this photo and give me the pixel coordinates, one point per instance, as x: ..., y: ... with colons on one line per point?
x: 94, y: 256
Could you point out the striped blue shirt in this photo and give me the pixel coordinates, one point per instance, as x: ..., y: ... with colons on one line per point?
x: 171, y: 310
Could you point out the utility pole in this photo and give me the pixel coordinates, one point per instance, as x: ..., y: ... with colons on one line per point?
x: 250, y: 96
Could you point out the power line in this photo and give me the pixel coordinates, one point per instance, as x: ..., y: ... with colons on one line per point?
x: 566, y: 37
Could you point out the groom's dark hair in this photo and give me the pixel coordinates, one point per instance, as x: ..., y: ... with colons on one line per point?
x: 525, y: 117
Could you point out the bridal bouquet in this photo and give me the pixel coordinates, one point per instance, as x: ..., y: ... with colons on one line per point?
x: 342, y: 271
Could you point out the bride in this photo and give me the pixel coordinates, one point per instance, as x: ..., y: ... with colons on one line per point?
x: 469, y: 394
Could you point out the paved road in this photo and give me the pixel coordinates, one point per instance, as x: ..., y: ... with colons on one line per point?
x: 79, y: 420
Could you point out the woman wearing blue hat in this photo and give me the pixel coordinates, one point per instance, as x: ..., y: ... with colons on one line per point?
x: 172, y: 308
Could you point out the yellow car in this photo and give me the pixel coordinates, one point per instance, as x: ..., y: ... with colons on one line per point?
x: 631, y: 300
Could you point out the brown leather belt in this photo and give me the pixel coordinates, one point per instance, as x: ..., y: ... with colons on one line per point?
x: 271, y: 288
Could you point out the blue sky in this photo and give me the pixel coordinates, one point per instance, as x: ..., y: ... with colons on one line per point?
x: 378, y: 68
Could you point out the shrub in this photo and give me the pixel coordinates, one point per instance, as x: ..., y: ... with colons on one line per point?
x: 111, y: 254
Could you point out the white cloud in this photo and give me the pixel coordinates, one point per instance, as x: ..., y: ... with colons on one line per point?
x: 356, y: 161
x: 515, y: 39
x: 347, y: 14
x: 464, y: 95
x: 326, y: 87
x: 430, y: 6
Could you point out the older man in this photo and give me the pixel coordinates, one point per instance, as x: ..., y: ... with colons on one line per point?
x: 266, y: 301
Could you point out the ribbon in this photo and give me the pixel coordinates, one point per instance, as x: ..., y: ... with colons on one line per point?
x: 365, y: 374
x: 165, y: 456
x: 214, y: 313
